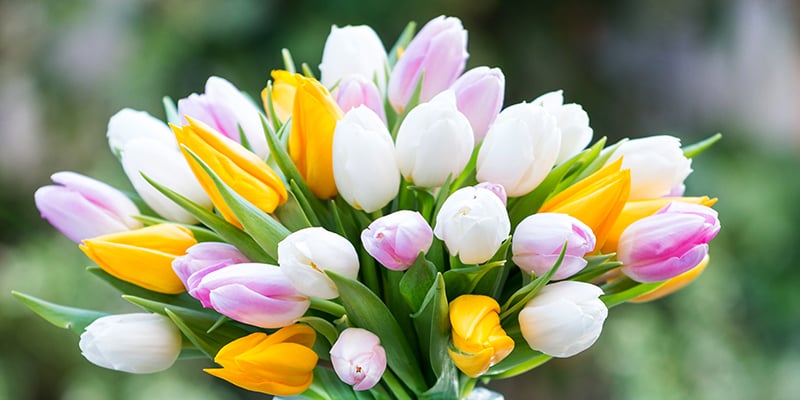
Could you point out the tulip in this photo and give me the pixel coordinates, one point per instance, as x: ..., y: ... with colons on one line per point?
x: 572, y: 121
x: 358, y: 358
x: 478, y: 339
x: 224, y: 108
x: 128, y: 124
x: 137, y: 343
x: 280, y: 364
x: 82, y: 207
x: 284, y: 88
x: 243, y: 171
x: 439, y: 51
x: 202, y: 259
x: 354, y: 91
x: 473, y: 223
x: 520, y: 149
x: 668, y: 243
x: 434, y: 142
x: 143, y: 256
x: 564, y: 319
x: 253, y: 293
x: 539, y: 239
x: 657, y: 165
x: 397, y: 239
x: 479, y: 96
x: 305, y: 255
x: 596, y: 200
x: 495, y: 188
x: 353, y: 50
x: 672, y: 285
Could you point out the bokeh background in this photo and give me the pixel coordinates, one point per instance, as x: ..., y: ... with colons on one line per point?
x: 639, y: 67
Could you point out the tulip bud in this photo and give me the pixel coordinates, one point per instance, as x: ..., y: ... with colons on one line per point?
x: 473, y: 223
x: 572, y: 121
x: 439, y: 51
x: 143, y: 256
x: 364, y: 165
x: 284, y: 87
x: 358, y: 358
x: 253, y: 293
x: 135, y: 343
x: 667, y: 244
x: 479, y: 96
x: 353, y: 50
x: 83, y: 208
x: 202, y: 259
x: 396, y: 240
x: 428, y: 133
x: 128, y: 124
x: 305, y: 255
x: 564, y: 319
x: 225, y: 109
x: 497, y: 189
x: 354, y: 91
x: 280, y: 364
x: 657, y: 165
x: 539, y: 239
x: 478, y: 339
x: 520, y: 149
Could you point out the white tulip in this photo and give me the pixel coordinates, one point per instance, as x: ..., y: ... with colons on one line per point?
x: 434, y: 141
x: 137, y: 343
x: 304, y: 255
x: 564, y: 319
x: 473, y: 223
x: 572, y: 120
x: 520, y: 149
x: 353, y: 50
x: 657, y: 165
x: 364, y: 165
x: 128, y: 124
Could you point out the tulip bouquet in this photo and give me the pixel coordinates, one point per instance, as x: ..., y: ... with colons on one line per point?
x: 386, y: 231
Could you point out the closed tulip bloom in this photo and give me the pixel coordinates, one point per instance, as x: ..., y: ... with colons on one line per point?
x: 439, y: 51
x: 136, y: 343
x: 657, y: 165
x: 128, y: 124
x: 280, y: 364
x: 572, y: 120
x: 674, y: 284
x: 539, y: 239
x: 284, y: 86
x: 252, y: 293
x: 204, y: 258
x: 142, y: 256
x: 225, y: 109
x: 246, y: 173
x: 520, y: 149
x: 397, y: 239
x: 358, y: 358
x: 353, y: 50
x: 434, y: 142
x: 354, y: 91
x: 564, y: 319
x: 478, y: 339
x: 479, y: 96
x: 668, y: 243
x: 473, y: 223
x: 81, y: 207
x: 305, y: 255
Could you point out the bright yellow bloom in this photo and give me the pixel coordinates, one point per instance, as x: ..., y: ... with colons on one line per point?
x: 284, y: 87
x: 243, y: 171
x: 280, y: 364
x: 142, y: 256
x: 478, y: 339
x: 596, y: 200
x: 673, y: 285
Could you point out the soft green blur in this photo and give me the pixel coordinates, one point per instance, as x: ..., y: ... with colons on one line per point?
x: 638, y: 67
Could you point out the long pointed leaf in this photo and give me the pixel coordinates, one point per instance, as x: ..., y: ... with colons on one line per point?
x: 183, y: 299
x: 74, y: 319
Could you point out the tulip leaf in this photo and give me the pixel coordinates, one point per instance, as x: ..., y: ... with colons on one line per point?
x: 696, y: 149
x: 243, y: 139
x: 367, y: 311
x: 432, y: 324
x: 598, y: 162
x: 304, y: 203
x: 190, y: 353
x: 595, y: 267
x: 521, y: 297
x: 628, y: 291
x: 446, y: 386
x: 586, y: 163
x: 522, y: 359
x: 323, y: 327
x: 74, y: 319
x: 464, y: 280
x: 291, y: 214
x: 417, y: 281
x: 183, y: 299
x: 200, y: 234
x: 171, y: 111
x: 402, y: 42
x: 288, y: 61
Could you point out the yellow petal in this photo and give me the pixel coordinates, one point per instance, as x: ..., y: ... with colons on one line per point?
x: 284, y: 86
x: 473, y: 365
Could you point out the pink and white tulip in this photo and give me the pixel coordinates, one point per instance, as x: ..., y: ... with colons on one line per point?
x: 202, y: 259
x: 539, y: 239
x: 479, y: 96
x: 397, y: 239
x: 354, y: 91
x: 358, y: 358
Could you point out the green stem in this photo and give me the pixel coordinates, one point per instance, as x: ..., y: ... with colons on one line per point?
x: 369, y: 272
x: 524, y: 367
x: 395, y: 387
x: 467, y: 387
x: 327, y: 306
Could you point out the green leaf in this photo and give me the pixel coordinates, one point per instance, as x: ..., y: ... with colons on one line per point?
x: 291, y: 214
x: 596, y: 266
x: 464, y: 280
x: 402, y: 42
x: 288, y: 61
x: 696, y: 149
x: 624, y: 290
x: 200, y: 234
x: 323, y: 327
x: 183, y: 299
x: 416, y: 282
x: 307, y: 72
x: 74, y: 319
x: 170, y: 110
x: 432, y: 324
x: 521, y: 297
x: 273, y: 116
x: 446, y: 386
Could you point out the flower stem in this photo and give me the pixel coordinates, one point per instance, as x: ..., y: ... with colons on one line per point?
x: 524, y: 367
x: 466, y: 387
x: 327, y: 306
x: 395, y: 387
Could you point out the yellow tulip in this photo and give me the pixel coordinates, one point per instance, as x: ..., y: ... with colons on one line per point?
x: 673, y: 285
x: 280, y: 364
x: 142, y: 256
x: 596, y: 200
x: 284, y: 86
x: 478, y: 340
x: 243, y: 171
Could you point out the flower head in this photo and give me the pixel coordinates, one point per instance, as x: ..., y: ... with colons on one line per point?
x: 397, y: 239
x: 572, y: 121
x: 358, y: 358
x: 479, y: 96
x: 539, y: 238
x: 478, y: 339
x: 353, y: 50
x: 657, y: 165
x: 202, y: 259
x: 305, y: 255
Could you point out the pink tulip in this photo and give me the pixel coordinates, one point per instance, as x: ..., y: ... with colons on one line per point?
x: 358, y: 358
x: 396, y: 240
x: 202, y: 259
x: 497, y: 189
x: 539, y: 239
x: 479, y: 96
x: 354, y: 91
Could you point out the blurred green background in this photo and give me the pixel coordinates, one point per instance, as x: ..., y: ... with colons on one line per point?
x: 689, y: 68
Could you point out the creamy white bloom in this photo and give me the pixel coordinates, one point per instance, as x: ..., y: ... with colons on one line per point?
x: 364, y: 165
x: 128, y: 124
x: 520, y: 149
x: 564, y: 319
x: 473, y: 223
x: 434, y: 141
x: 358, y: 358
x: 572, y: 120
x: 304, y: 255
x: 657, y: 165
x: 137, y: 343
x: 353, y: 50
